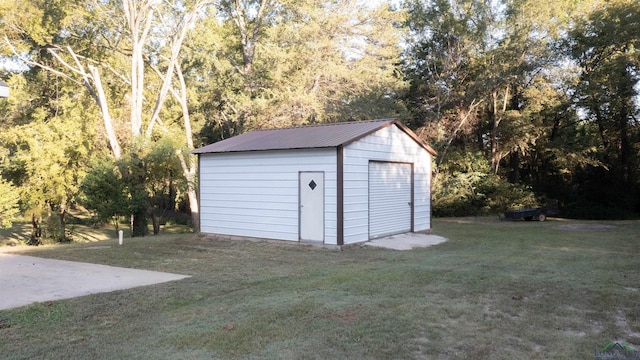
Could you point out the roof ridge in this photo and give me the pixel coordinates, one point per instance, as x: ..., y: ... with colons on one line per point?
x: 329, y: 124
x: 307, y: 137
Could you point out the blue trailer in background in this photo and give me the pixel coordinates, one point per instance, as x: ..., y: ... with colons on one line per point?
x: 539, y: 214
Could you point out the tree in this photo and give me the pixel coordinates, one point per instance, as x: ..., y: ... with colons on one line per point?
x: 272, y: 64
x: 468, y: 63
x: 122, y: 39
x: 603, y: 44
x: 104, y: 193
x: 9, y: 197
x: 47, y: 139
x: 163, y: 181
x: 483, y: 77
x: 47, y: 163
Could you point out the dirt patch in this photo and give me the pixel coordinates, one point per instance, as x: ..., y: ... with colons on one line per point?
x: 585, y: 227
x: 9, y: 242
x: 347, y: 316
x: 98, y: 247
x: 623, y: 324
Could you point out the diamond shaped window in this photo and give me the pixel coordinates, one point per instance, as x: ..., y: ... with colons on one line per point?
x: 312, y: 185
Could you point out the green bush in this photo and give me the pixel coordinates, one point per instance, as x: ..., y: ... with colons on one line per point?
x: 105, y: 193
x: 9, y: 198
x: 465, y: 186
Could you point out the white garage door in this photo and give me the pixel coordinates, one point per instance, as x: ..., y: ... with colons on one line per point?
x: 390, y: 201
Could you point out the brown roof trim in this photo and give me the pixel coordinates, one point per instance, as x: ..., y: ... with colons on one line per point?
x: 402, y: 127
x: 415, y: 137
x: 307, y: 137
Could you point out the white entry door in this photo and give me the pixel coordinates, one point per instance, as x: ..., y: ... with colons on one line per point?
x: 311, y: 206
x: 390, y: 203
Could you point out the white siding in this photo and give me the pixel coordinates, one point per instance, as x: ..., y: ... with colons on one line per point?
x: 256, y: 193
x: 387, y: 144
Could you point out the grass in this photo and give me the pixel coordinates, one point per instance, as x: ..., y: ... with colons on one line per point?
x: 500, y: 290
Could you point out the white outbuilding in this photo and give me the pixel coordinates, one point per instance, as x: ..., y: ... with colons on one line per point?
x: 4, y: 89
x: 336, y: 184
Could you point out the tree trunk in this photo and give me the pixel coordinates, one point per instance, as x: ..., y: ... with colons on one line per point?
x: 156, y: 222
x: 116, y: 220
x: 514, y: 162
x: 139, y: 198
x: 496, y: 154
x: 493, y: 135
x: 139, y: 16
x: 249, y: 38
x: 469, y: 113
x: 139, y: 223
x: 63, y: 224
x: 173, y: 66
x: 194, y: 208
x: 626, y: 148
x: 36, y: 231
x: 101, y: 99
x: 189, y: 172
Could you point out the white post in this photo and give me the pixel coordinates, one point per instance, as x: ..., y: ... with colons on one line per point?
x: 120, y: 234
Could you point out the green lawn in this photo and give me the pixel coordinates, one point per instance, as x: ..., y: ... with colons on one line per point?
x: 501, y: 290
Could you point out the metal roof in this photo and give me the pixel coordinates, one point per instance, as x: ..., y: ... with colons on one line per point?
x: 307, y: 137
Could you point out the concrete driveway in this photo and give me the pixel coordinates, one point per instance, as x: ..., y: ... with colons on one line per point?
x: 26, y: 279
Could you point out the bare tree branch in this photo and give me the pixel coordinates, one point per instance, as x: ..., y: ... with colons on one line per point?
x: 106, y: 116
x: 40, y: 65
x: 175, y: 45
x: 472, y: 108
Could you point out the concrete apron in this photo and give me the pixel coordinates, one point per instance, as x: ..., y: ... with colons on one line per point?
x: 406, y: 241
x: 26, y: 279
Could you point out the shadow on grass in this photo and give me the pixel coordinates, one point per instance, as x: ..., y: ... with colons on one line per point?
x: 20, y: 232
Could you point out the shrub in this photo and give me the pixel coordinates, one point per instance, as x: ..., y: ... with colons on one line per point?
x: 465, y: 186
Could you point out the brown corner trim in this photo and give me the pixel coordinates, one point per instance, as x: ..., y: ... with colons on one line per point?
x: 413, y: 198
x: 340, y: 195
x: 199, y: 229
